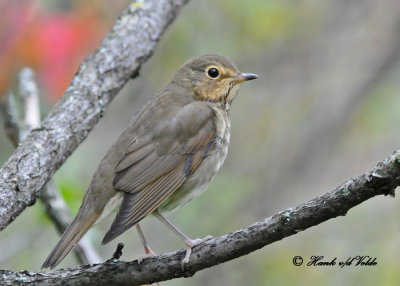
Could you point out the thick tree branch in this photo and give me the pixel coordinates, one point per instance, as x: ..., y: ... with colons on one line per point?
x: 381, y: 180
x: 100, y: 77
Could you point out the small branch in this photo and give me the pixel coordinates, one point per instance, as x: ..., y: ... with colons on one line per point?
x: 54, y: 204
x: 59, y: 213
x: 100, y: 77
x: 30, y: 94
x: 381, y: 180
x: 10, y: 116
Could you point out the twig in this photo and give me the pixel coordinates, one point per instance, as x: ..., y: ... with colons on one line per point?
x: 59, y: 213
x: 381, y: 180
x: 30, y: 95
x: 54, y: 204
x: 100, y: 77
x: 9, y: 113
x: 118, y: 252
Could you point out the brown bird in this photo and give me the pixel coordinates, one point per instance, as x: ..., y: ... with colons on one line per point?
x: 167, y: 155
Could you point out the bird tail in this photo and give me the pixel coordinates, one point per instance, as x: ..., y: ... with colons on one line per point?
x: 79, y: 226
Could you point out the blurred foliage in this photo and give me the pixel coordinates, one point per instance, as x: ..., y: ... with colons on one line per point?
x: 71, y: 191
x: 324, y: 109
x: 51, y: 39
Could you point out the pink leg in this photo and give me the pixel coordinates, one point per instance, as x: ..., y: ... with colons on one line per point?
x: 147, y: 249
x: 190, y: 243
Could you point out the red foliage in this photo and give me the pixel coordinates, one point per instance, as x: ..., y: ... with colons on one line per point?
x: 53, y: 44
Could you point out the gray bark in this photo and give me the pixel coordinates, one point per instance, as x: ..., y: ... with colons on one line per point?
x: 100, y: 77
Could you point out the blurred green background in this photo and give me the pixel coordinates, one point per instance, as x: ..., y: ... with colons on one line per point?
x: 326, y: 108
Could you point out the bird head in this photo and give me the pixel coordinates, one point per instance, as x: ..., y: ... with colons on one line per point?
x: 211, y: 78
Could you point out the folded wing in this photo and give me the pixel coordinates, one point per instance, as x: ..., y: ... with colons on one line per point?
x: 152, y: 168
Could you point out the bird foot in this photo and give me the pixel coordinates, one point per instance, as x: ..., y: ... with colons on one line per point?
x: 190, y: 243
x: 149, y: 253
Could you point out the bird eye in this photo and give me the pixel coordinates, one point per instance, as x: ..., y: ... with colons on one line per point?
x: 213, y: 72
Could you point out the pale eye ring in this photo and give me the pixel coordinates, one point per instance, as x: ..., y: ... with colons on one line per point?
x: 213, y: 72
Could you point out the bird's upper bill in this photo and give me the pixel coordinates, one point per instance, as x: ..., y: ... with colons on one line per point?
x: 244, y: 77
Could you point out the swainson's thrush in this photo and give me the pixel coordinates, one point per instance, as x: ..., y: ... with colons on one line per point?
x: 167, y: 155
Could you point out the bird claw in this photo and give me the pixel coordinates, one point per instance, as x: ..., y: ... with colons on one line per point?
x: 189, y: 245
x: 149, y: 253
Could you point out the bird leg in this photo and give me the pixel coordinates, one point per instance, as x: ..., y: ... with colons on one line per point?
x: 190, y: 243
x: 147, y: 249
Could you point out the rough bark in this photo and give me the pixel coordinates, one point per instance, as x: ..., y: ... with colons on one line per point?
x: 100, y: 77
x: 380, y: 180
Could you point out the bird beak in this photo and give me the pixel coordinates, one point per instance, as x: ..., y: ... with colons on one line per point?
x: 244, y: 77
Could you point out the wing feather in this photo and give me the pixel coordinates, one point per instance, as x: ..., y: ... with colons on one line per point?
x: 133, y: 155
x: 136, y: 206
x: 153, y: 168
